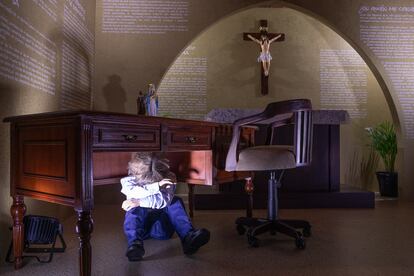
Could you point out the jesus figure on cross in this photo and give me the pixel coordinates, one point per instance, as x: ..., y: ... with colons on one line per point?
x: 264, y: 43
x: 264, y: 39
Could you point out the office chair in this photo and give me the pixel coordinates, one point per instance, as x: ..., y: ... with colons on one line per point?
x: 274, y: 159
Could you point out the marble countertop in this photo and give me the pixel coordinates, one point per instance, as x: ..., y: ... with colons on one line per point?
x: 320, y: 117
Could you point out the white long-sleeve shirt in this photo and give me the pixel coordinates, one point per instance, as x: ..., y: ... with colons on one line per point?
x: 150, y: 195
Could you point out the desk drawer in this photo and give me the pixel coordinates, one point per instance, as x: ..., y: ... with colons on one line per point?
x: 188, y: 138
x: 122, y: 136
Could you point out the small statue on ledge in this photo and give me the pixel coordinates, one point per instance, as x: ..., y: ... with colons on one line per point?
x: 141, y: 103
x: 151, y: 101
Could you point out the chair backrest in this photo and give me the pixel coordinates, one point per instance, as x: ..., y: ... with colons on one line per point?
x: 297, y: 112
x: 303, y: 137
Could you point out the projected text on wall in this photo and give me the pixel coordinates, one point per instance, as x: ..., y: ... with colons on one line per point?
x: 27, y: 56
x: 47, y: 46
x: 144, y: 16
x: 389, y: 32
x: 183, y: 91
x: 343, y: 80
x: 77, y: 58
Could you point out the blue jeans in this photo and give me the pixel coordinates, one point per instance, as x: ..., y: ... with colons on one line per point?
x: 143, y: 223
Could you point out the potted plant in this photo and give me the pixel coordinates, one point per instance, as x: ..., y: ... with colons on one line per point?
x: 384, y: 141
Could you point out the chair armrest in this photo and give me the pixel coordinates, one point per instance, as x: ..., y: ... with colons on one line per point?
x: 231, y: 159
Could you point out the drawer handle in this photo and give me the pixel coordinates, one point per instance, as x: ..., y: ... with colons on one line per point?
x: 191, y: 139
x: 130, y: 138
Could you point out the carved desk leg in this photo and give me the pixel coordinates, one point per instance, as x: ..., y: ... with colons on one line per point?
x: 17, y: 210
x: 249, y: 189
x: 84, y: 228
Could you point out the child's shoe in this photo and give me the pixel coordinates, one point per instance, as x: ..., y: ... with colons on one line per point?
x: 135, y: 251
x: 194, y: 240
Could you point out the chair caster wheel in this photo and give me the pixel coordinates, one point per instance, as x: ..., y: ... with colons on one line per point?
x: 300, y: 243
x: 253, y: 241
x: 307, y: 231
x: 240, y: 229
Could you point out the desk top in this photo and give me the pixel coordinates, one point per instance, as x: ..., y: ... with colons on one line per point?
x: 102, y: 115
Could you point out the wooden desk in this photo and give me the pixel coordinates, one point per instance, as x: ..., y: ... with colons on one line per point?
x: 59, y: 157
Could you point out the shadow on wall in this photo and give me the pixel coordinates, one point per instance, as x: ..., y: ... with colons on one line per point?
x: 8, y: 98
x: 114, y: 94
x: 76, y: 89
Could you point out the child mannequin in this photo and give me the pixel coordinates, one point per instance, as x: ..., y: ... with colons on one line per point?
x: 152, y: 209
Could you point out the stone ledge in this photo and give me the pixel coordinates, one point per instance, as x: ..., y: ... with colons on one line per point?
x: 320, y: 117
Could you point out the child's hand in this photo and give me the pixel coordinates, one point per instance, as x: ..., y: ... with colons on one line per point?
x: 166, y: 182
x: 130, y: 203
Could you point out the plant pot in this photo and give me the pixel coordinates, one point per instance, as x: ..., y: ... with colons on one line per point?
x: 388, y: 183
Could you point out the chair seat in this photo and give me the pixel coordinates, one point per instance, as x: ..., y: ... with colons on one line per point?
x: 266, y: 158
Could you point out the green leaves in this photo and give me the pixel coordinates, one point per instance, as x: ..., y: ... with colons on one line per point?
x: 384, y: 141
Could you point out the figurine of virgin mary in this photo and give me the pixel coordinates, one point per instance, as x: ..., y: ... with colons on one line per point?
x: 151, y: 101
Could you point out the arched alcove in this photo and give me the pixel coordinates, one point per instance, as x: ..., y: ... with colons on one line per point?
x: 220, y: 70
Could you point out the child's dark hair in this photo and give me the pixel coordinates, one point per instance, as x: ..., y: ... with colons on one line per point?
x: 149, y: 167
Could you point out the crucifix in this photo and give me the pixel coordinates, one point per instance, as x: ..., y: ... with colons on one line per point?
x: 264, y: 39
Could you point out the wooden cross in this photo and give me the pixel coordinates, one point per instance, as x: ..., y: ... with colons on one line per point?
x: 263, y: 31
